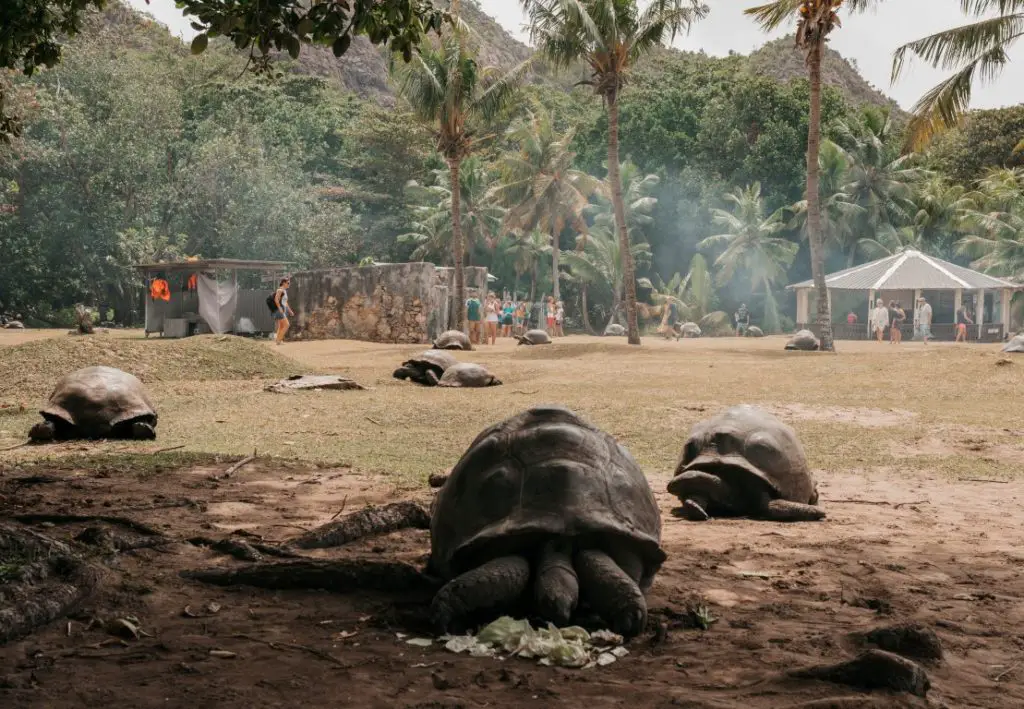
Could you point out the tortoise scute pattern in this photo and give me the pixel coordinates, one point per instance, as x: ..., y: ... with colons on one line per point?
x: 97, y: 402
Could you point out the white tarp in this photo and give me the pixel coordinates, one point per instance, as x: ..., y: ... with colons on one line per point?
x: 217, y: 303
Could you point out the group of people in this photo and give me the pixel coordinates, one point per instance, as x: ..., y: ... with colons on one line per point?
x: 891, y: 317
x: 495, y: 317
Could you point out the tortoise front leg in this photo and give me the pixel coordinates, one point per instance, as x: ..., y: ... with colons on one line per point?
x: 556, y: 588
x: 430, y: 377
x: 787, y: 511
x: 497, y: 584
x: 43, y: 432
x: 611, y: 592
x: 697, y: 491
x: 142, y: 431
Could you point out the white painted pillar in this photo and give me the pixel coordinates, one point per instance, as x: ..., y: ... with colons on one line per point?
x: 802, y: 306
x: 958, y: 299
x: 979, y: 311
x: 1007, y: 295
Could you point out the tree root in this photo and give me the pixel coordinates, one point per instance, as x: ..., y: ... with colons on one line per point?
x: 340, y: 576
x: 243, y: 550
x: 875, y: 669
x: 41, y: 580
x: 367, y: 522
x: 72, y: 519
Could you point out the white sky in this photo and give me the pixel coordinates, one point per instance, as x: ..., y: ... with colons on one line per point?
x: 868, y: 39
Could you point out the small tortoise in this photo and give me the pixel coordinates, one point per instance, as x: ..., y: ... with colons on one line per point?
x: 615, y: 330
x: 541, y: 512
x: 97, y: 402
x: 745, y: 462
x: 1015, y: 345
x: 467, y: 374
x: 804, y: 340
x: 426, y: 368
x: 534, y: 337
x: 453, y: 340
x: 690, y: 329
x: 755, y: 331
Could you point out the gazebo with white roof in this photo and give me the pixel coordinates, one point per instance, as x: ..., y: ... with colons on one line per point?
x: 905, y: 277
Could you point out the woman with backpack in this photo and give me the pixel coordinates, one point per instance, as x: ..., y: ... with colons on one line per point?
x: 281, y: 310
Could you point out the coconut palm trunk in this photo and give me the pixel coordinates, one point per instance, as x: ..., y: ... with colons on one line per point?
x: 614, y: 176
x: 585, y: 308
x: 555, y: 287
x: 813, y: 196
x: 457, y: 247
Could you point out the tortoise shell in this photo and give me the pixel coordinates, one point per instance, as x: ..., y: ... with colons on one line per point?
x: 1016, y: 344
x: 535, y: 337
x: 750, y: 449
x: 467, y: 374
x: 95, y: 399
x: 542, y: 473
x: 803, y: 340
x: 453, y: 340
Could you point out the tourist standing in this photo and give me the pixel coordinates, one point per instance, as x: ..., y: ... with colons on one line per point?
x: 879, y: 319
x: 507, y: 314
x: 742, y: 320
x: 923, y: 319
x: 897, y: 316
x: 962, y: 321
x: 851, y: 318
x: 520, y: 316
x: 492, y: 308
x: 559, y: 319
x: 283, y: 311
x: 550, y: 315
x: 473, y: 316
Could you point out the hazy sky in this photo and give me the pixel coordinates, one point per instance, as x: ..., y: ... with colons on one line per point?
x: 868, y: 39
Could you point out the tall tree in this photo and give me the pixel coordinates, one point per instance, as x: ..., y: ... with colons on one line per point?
x: 540, y: 187
x: 445, y: 87
x: 609, y: 36
x: 598, y: 262
x: 975, y: 50
x: 995, y: 228
x: 815, y: 21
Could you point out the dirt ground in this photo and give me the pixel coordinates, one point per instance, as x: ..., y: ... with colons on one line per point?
x: 917, y: 457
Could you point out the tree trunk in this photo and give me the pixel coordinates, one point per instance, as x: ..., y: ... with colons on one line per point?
x: 586, y: 313
x: 533, y: 283
x: 555, y: 253
x: 457, y: 247
x: 515, y: 288
x: 628, y: 272
x: 813, y: 197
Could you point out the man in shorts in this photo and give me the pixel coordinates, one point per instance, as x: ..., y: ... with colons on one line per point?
x: 474, y: 316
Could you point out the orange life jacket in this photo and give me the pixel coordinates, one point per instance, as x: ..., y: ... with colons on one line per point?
x: 159, y: 289
x: 192, y: 282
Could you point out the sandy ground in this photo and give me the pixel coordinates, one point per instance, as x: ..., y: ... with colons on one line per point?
x: 922, y: 486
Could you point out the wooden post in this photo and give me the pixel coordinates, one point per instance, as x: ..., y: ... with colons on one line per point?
x: 1007, y: 296
x: 871, y: 309
x: 979, y: 311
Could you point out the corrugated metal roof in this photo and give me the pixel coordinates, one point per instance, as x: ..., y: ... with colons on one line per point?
x: 908, y: 270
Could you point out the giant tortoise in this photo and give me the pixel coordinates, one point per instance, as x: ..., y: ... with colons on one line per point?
x: 615, y: 330
x: 804, y: 340
x: 690, y: 330
x: 754, y: 331
x: 1016, y: 344
x: 534, y: 337
x: 541, y: 512
x: 467, y: 374
x: 97, y: 402
x: 745, y: 462
x: 426, y: 368
x: 452, y: 340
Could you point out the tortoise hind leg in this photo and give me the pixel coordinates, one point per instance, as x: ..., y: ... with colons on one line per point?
x: 787, y: 511
x: 497, y: 584
x: 611, y: 592
x: 556, y: 588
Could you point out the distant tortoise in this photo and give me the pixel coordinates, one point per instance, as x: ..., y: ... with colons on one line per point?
x: 804, y: 340
x: 755, y: 331
x: 453, y: 340
x: 615, y: 330
x: 1015, y: 345
x: 534, y: 337
x: 97, y: 402
x: 690, y: 329
x: 541, y: 512
x: 14, y: 325
x: 426, y: 368
x: 467, y: 374
x: 745, y: 462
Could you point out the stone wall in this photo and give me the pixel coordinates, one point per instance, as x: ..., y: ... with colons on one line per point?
x: 394, y: 302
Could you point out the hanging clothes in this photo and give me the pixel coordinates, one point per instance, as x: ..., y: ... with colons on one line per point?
x: 159, y: 289
x: 191, y: 285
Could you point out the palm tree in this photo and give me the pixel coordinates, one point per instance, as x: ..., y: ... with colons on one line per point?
x: 839, y: 214
x: 978, y: 49
x: 637, y: 199
x: 751, y: 245
x: 481, y: 216
x: 599, y: 262
x: 694, y: 295
x: 526, y: 251
x: 445, y: 87
x: 609, y: 36
x: 540, y: 187
x: 815, y: 21
x: 995, y: 229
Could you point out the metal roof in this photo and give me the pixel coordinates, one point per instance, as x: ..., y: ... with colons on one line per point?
x: 909, y: 270
x: 213, y: 264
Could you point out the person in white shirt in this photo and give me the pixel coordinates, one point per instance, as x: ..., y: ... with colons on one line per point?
x: 879, y: 319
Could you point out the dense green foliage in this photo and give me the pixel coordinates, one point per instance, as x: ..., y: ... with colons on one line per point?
x: 134, y: 150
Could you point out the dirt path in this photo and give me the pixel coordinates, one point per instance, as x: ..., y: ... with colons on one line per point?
x: 894, y: 548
